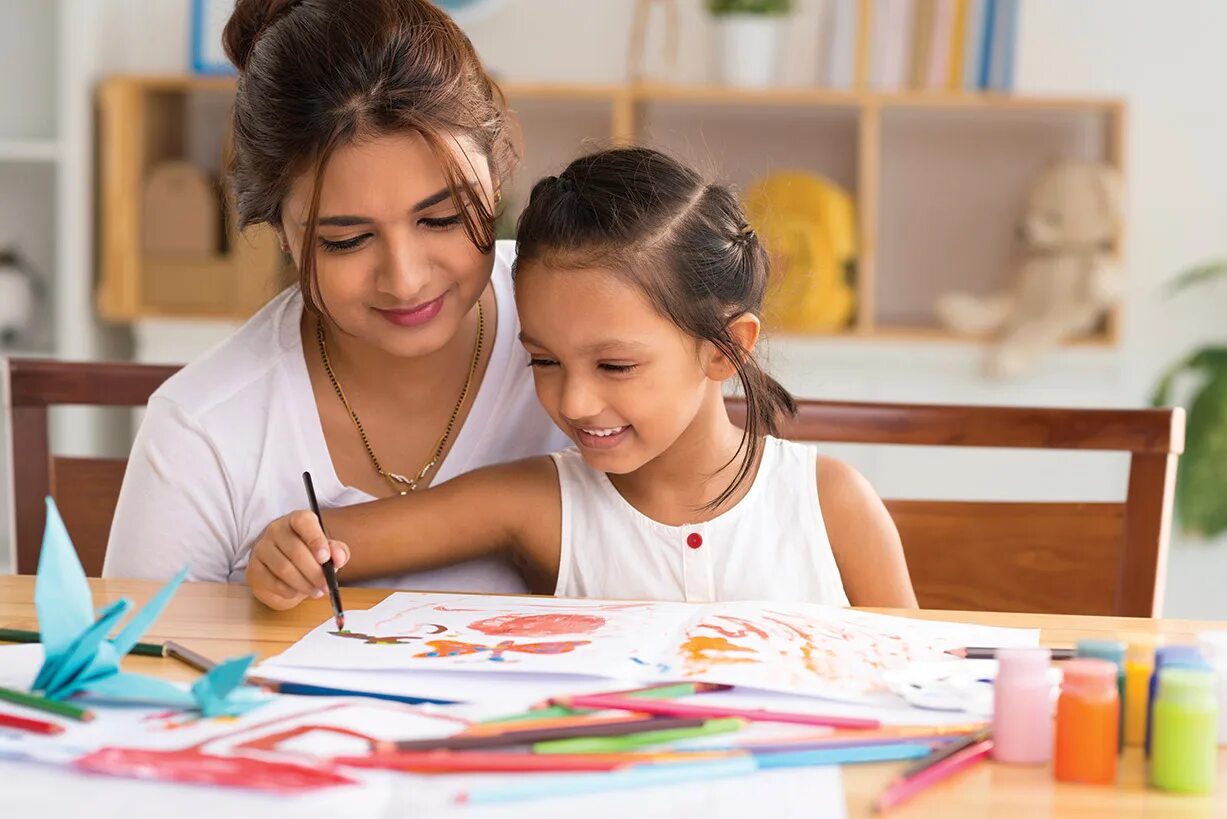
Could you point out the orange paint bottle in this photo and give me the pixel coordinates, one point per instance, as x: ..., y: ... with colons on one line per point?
x: 1088, y: 723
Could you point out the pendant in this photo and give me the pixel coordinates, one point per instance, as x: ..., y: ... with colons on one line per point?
x: 402, y: 481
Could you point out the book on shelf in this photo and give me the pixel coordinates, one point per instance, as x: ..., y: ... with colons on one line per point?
x: 928, y: 45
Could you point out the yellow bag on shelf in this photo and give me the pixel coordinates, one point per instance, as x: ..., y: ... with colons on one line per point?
x: 808, y: 226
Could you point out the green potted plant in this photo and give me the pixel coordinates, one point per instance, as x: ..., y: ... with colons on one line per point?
x: 748, y: 38
x: 1201, y: 488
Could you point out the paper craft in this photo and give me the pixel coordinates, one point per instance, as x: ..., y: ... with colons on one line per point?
x: 78, y: 657
x: 799, y: 648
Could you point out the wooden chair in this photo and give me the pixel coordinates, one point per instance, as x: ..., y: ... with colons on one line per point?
x: 1075, y: 558
x: 1069, y: 558
x: 85, y: 489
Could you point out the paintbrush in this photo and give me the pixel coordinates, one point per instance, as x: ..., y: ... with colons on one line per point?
x: 330, y: 572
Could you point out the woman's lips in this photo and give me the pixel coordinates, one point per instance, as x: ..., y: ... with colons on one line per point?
x: 413, y: 316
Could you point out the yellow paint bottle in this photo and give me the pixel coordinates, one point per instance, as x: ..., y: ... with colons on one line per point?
x: 1139, y: 663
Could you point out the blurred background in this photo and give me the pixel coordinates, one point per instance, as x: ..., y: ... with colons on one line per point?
x: 907, y: 162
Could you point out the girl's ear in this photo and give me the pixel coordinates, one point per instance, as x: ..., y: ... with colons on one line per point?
x: 745, y: 329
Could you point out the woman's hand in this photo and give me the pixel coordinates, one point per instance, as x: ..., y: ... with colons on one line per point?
x: 284, y: 568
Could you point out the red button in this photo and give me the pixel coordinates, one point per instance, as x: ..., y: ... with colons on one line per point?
x: 694, y: 540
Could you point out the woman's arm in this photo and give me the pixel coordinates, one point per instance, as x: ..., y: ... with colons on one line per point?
x: 513, y: 506
x: 863, y: 537
x: 176, y: 507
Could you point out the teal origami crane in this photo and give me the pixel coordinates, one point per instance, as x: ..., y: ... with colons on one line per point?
x: 79, y: 658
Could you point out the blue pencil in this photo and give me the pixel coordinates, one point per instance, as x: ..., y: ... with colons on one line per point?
x: 308, y: 690
x: 644, y: 776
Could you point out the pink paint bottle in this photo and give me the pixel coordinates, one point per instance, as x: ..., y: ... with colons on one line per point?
x: 1022, y: 706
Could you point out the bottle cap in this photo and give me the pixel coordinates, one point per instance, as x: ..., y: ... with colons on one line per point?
x: 1140, y: 654
x: 1187, y: 685
x: 1179, y: 656
x: 1023, y: 662
x: 1089, y: 677
x: 1111, y: 650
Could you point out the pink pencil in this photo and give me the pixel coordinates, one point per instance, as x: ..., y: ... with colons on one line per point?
x: 902, y: 789
x: 678, y: 709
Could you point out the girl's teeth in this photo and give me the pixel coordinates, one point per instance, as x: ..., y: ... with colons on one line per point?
x: 603, y: 433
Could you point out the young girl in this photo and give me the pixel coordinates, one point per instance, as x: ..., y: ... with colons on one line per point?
x: 637, y: 286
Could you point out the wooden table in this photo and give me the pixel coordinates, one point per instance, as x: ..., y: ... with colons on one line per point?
x: 223, y: 621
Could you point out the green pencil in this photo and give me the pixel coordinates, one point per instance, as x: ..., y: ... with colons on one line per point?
x: 43, y: 704
x: 20, y: 635
x: 631, y: 742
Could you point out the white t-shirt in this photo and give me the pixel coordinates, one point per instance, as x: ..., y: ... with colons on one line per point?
x: 772, y: 545
x: 224, y: 442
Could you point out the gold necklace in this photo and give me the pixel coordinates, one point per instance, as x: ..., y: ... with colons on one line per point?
x: 399, y: 483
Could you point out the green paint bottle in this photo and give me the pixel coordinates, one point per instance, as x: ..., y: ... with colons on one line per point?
x: 1184, y: 732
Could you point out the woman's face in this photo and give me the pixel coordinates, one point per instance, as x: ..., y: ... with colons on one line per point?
x: 395, y: 267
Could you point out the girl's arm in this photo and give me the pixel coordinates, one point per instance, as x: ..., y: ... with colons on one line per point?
x: 864, y: 538
x: 510, y: 507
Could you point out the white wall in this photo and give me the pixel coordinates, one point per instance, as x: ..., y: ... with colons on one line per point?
x: 1163, y: 58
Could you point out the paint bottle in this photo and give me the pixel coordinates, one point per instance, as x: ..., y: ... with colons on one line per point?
x: 1088, y: 718
x: 1169, y: 657
x: 1184, y: 739
x: 1022, y: 706
x: 1139, y: 665
x: 1214, y: 649
x: 1114, y: 652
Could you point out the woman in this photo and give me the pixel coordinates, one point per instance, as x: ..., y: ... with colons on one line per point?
x: 368, y: 135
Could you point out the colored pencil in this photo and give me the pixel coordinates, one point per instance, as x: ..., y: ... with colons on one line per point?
x: 330, y: 572
x: 642, y: 776
x: 902, y: 789
x: 545, y: 712
x: 610, y: 744
x: 946, y: 751
x: 63, y: 709
x: 587, y: 718
x: 532, y: 736
x: 36, y: 726
x: 309, y: 690
x: 639, y: 776
x: 841, y: 756
x: 188, y: 657
x: 678, y: 709
x: 512, y: 761
x: 20, y: 635
x: 988, y: 653
x: 928, y: 740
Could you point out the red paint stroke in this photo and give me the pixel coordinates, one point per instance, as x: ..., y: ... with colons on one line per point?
x: 455, y: 648
x: 194, y: 767
x: 271, y: 741
x: 538, y: 625
x: 746, y: 629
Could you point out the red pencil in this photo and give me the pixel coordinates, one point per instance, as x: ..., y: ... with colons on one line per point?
x: 905, y: 788
x: 504, y: 762
x: 678, y: 709
x: 36, y: 726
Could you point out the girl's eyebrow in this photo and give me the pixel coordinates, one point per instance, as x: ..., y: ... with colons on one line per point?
x: 608, y: 345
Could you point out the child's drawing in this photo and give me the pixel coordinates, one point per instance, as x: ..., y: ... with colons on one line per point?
x: 453, y: 648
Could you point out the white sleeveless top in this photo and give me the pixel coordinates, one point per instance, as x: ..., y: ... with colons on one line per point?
x: 222, y: 447
x: 771, y: 546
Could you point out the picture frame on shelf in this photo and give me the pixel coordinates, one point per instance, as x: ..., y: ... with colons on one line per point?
x: 208, y: 19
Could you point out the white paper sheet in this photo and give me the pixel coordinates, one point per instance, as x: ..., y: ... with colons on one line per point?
x: 795, y: 648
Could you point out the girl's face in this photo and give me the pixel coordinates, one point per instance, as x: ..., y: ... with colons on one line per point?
x: 616, y: 376
x: 394, y: 265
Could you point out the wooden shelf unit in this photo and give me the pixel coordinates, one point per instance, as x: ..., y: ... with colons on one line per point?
x: 922, y: 167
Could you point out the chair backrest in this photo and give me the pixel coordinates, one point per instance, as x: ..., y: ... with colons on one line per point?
x: 1069, y: 558
x: 1072, y: 558
x: 85, y: 489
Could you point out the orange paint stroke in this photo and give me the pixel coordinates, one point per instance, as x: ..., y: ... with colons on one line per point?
x: 705, y: 651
